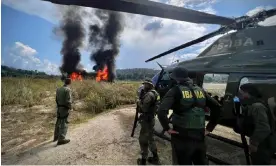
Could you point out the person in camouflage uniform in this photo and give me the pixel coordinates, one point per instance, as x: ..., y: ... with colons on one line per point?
x: 147, y: 121
x: 64, y: 104
x: 262, y: 138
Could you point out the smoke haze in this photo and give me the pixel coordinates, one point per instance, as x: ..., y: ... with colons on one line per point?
x: 73, y: 33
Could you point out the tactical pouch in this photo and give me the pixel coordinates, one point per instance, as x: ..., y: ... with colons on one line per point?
x: 194, y: 119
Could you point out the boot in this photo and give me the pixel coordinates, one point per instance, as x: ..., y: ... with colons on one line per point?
x: 55, y: 139
x: 154, y: 159
x: 64, y: 141
x: 141, y: 161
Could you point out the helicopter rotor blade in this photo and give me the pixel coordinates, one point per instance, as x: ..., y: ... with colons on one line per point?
x: 198, y: 40
x: 150, y: 8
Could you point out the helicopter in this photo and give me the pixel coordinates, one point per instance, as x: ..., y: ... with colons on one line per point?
x: 248, y: 53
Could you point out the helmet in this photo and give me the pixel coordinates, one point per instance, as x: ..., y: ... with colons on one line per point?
x: 180, y: 74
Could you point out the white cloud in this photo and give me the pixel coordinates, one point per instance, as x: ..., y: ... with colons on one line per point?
x: 257, y: 9
x: 25, y: 50
x: 24, y: 57
x: 43, y: 9
x: 191, y: 3
x: 267, y: 22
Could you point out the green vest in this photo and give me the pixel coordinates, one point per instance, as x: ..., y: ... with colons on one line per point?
x: 192, y: 115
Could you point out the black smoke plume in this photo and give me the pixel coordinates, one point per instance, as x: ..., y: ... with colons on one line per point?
x: 73, y: 33
x: 105, y: 41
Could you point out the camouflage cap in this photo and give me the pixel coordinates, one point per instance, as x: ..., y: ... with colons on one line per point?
x: 148, y: 81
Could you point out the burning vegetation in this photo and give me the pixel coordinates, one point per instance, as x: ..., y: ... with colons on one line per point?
x: 76, y: 76
x: 103, y: 41
x: 102, y: 75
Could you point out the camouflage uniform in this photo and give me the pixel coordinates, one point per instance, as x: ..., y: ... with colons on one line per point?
x: 64, y: 101
x: 147, y: 121
x: 258, y: 124
x: 262, y: 136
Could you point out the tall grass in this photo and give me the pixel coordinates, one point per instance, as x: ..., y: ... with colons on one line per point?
x: 96, y: 96
x: 26, y: 91
x: 100, y: 96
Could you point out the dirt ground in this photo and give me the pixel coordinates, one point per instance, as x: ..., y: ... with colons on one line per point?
x: 105, y: 139
x: 23, y: 127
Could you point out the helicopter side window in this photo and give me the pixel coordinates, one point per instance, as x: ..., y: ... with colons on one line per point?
x: 215, y: 85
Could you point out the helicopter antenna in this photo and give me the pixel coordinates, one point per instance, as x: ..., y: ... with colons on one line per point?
x: 160, y: 65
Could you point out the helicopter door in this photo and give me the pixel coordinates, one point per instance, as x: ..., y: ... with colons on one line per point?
x: 215, y: 86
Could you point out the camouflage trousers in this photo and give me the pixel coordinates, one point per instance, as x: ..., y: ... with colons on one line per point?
x: 146, y: 139
x: 61, y: 124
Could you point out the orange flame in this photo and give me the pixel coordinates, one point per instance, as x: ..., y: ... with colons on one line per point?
x: 102, y: 75
x: 75, y: 76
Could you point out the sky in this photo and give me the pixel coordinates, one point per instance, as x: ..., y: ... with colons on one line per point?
x: 28, y: 40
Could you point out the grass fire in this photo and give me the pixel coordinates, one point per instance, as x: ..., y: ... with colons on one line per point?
x: 76, y: 76
x: 102, y: 75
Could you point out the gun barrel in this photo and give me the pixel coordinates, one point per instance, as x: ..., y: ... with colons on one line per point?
x: 135, y: 121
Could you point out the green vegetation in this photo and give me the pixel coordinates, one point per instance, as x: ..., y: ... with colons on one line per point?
x: 12, y: 72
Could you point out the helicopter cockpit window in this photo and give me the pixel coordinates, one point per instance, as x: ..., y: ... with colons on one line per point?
x: 155, y: 78
x: 215, y: 85
x: 166, y: 76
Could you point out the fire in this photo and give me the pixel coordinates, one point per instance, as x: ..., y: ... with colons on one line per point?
x: 75, y: 76
x: 102, y: 75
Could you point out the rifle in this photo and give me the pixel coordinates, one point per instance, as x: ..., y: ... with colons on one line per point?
x: 135, y: 120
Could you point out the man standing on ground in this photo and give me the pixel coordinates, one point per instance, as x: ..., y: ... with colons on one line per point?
x: 188, y: 102
x: 260, y: 126
x: 147, y: 121
x: 64, y: 104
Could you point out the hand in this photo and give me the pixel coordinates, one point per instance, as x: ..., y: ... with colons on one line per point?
x: 206, y: 132
x: 171, y: 131
x: 252, y: 148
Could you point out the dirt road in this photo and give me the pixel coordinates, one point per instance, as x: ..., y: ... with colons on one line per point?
x: 106, y: 139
